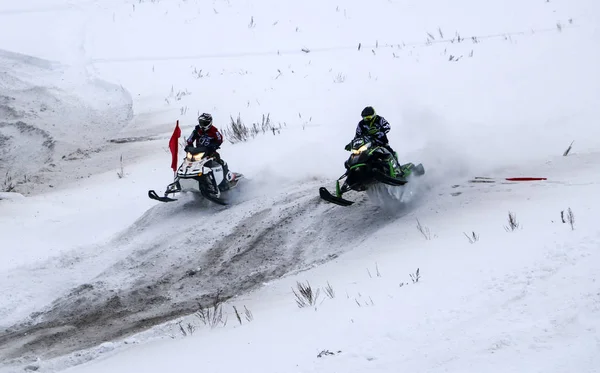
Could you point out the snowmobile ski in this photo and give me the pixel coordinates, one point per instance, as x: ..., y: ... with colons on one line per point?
x: 152, y: 194
x: 327, y: 196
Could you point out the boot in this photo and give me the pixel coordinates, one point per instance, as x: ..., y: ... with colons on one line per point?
x: 226, y: 172
x: 226, y: 175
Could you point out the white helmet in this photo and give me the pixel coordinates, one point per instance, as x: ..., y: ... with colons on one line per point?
x: 205, y: 121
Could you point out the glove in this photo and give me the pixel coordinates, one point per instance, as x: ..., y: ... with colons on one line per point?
x: 348, y: 147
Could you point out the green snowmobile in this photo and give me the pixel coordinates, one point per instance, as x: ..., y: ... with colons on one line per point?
x: 367, y: 165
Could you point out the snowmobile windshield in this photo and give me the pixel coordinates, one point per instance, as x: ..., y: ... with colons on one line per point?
x: 362, y: 148
x: 194, y: 157
x: 196, y: 150
x: 196, y: 153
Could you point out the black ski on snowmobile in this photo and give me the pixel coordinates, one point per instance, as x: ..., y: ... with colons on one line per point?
x: 369, y: 164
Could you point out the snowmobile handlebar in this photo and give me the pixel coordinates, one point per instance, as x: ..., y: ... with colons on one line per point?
x: 200, y: 149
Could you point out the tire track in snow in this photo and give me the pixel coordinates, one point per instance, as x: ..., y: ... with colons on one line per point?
x: 183, y: 257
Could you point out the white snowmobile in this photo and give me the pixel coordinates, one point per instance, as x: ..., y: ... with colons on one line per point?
x: 200, y: 173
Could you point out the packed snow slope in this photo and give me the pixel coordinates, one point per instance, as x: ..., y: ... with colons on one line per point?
x: 52, y: 116
x: 526, y: 300
x: 499, y: 89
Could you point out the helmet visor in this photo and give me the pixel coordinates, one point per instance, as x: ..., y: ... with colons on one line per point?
x: 368, y: 118
x: 204, y: 124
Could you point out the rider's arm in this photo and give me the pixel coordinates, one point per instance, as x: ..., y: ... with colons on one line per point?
x: 359, y: 132
x: 384, y: 125
x: 218, y: 138
x: 193, y: 136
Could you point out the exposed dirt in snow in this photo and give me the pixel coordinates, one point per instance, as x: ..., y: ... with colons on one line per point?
x: 184, y: 254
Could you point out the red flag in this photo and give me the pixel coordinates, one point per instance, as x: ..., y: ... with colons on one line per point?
x: 174, y: 145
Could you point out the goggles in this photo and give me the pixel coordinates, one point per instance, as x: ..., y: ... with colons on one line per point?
x: 369, y: 118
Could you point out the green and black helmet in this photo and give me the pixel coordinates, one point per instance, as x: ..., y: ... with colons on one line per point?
x: 368, y: 114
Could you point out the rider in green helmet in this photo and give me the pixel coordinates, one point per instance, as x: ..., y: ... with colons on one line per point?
x: 376, y: 128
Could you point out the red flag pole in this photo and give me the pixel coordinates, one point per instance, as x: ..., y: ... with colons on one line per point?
x: 174, y: 147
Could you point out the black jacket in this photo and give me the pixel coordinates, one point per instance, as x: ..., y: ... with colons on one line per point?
x: 376, y: 130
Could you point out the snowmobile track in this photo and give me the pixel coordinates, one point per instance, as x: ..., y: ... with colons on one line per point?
x: 171, y: 276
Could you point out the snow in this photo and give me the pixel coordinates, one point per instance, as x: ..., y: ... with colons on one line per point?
x: 43, y: 118
x: 96, y: 276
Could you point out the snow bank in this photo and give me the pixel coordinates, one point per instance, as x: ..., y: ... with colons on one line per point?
x: 51, y: 114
